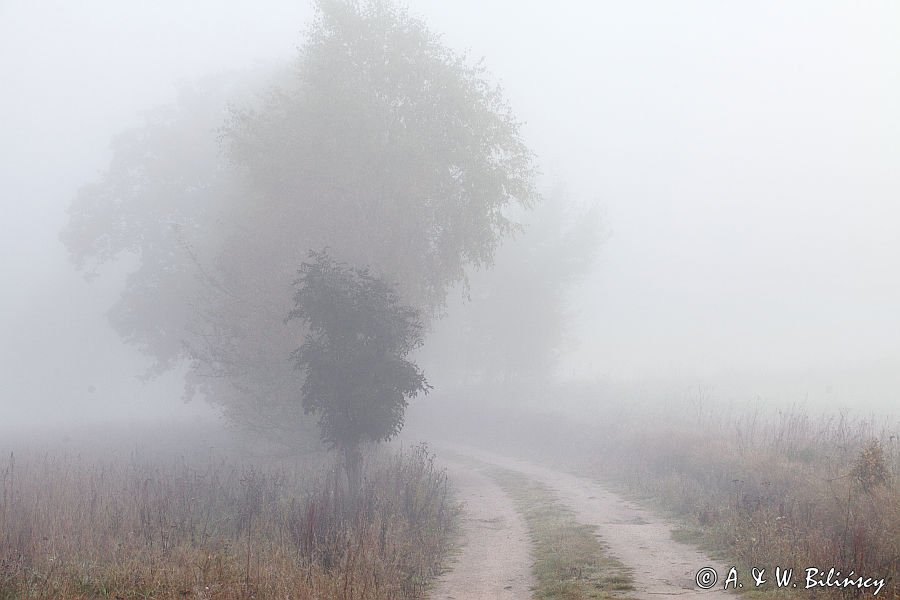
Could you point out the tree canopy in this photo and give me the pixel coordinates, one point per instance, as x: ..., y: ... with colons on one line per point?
x: 387, y: 147
x: 377, y: 142
x: 354, y: 357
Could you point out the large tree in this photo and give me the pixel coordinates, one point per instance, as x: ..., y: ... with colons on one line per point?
x: 378, y: 142
x: 358, y: 378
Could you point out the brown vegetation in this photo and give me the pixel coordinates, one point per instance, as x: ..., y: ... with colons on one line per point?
x: 792, y: 490
x: 130, y: 528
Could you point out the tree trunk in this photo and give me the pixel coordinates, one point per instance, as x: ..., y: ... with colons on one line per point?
x: 353, y: 468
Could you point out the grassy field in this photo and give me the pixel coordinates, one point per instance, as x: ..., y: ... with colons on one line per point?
x: 127, y: 526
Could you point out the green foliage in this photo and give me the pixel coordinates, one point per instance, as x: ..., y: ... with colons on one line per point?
x: 354, y: 357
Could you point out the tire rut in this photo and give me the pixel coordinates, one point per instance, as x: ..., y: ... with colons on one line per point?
x: 494, y: 560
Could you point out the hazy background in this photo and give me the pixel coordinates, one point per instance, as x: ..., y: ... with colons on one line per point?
x: 747, y: 158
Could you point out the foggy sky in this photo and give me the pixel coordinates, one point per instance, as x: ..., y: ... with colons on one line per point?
x: 747, y: 157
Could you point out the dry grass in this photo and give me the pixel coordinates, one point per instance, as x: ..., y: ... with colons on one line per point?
x: 131, y: 528
x: 789, y: 490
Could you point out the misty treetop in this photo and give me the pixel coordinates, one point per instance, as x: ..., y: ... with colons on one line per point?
x: 386, y: 146
x: 378, y: 142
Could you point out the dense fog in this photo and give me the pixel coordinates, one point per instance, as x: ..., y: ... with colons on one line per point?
x: 724, y: 180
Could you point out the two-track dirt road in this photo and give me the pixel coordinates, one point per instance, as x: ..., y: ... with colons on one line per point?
x: 495, y: 558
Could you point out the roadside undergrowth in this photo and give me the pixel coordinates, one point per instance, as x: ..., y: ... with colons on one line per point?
x: 792, y: 491
x: 124, y: 528
x: 571, y: 562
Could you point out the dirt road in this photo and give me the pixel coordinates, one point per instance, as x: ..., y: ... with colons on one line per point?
x: 640, y: 539
x: 495, y: 558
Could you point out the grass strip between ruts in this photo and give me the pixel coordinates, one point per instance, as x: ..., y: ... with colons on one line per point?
x: 571, y: 562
